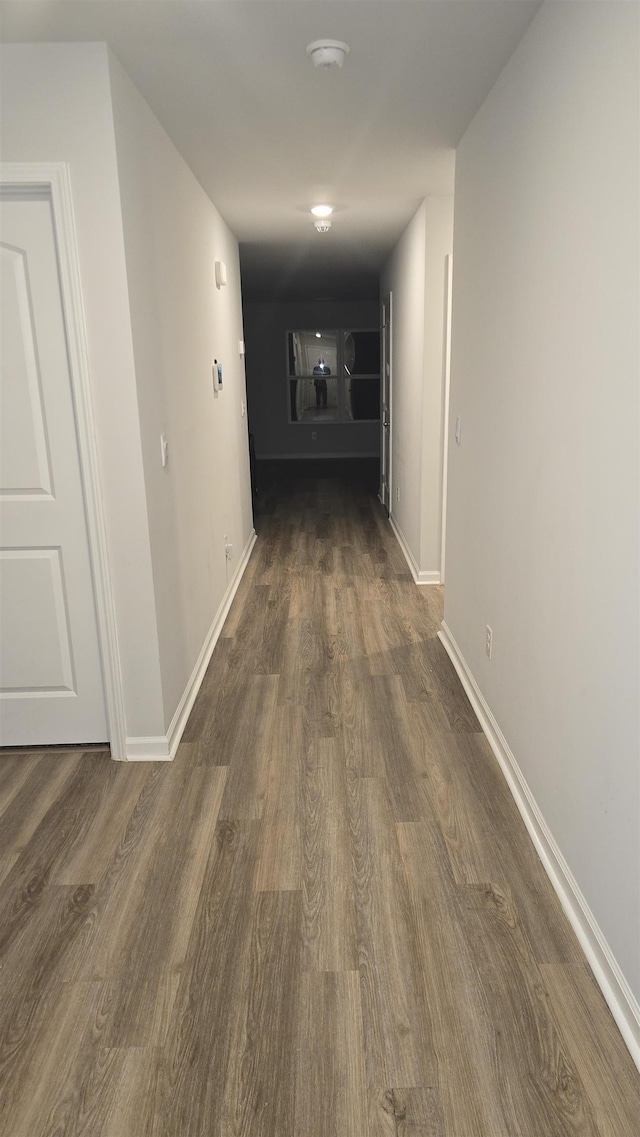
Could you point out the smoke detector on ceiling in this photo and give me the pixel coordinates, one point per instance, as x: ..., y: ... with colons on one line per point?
x: 327, y: 52
x: 322, y: 217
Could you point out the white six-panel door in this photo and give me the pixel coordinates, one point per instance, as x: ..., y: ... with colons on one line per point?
x: 51, y: 688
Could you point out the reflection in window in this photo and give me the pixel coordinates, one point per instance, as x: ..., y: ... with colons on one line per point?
x: 314, y: 400
x: 362, y: 398
x: 362, y: 353
x: 313, y: 353
x: 334, y: 376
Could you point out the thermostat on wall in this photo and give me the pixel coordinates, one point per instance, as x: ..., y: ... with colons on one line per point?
x: 221, y: 273
x: 217, y: 375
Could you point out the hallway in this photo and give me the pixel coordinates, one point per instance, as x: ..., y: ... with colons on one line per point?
x: 325, y: 918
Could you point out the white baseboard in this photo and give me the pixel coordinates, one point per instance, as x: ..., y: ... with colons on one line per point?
x: 183, y: 710
x: 164, y: 747
x: 619, y: 996
x: 420, y: 576
x: 148, y: 748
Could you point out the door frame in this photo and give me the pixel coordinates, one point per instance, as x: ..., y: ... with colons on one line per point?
x: 448, y: 293
x: 53, y: 178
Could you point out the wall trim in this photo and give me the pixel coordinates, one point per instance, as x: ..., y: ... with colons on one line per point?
x: 448, y: 294
x: 163, y: 747
x: 618, y: 995
x: 420, y: 576
x: 309, y: 456
x: 183, y: 710
x: 148, y: 748
x: 55, y: 179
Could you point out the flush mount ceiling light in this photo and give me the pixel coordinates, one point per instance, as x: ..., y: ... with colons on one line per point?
x: 321, y: 218
x: 327, y: 52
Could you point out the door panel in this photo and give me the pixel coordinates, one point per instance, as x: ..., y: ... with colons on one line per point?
x: 24, y: 460
x: 51, y: 688
x: 36, y: 646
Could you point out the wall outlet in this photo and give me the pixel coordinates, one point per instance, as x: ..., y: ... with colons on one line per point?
x: 488, y: 641
x: 397, y: 493
x: 228, y: 548
x: 458, y: 430
x: 314, y: 436
x: 243, y: 407
x: 164, y: 449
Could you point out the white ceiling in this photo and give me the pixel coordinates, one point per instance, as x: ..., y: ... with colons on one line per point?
x: 267, y: 135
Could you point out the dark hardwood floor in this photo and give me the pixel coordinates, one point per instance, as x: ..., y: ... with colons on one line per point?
x: 325, y: 918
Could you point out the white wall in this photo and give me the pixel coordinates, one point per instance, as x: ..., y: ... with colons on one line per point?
x: 415, y: 274
x: 148, y: 237
x: 543, y: 492
x: 266, y: 326
x: 56, y: 107
x: 181, y: 321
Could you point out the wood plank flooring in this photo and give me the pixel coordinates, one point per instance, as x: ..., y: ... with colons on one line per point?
x: 325, y: 918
